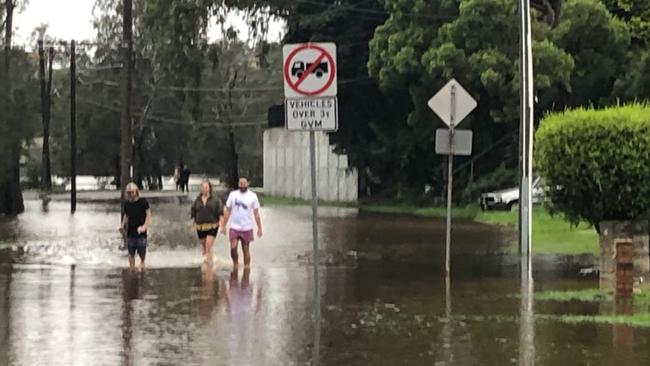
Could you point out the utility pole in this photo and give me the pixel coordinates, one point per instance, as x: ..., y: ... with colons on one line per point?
x: 41, y: 77
x: 47, y: 168
x: 526, y: 137
x: 73, y: 127
x: 126, y: 128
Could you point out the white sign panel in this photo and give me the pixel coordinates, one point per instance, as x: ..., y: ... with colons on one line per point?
x: 312, y: 114
x: 462, y: 142
x: 441, y: 103
x: 309, y: 70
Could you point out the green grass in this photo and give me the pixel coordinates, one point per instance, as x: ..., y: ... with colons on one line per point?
x: 635, y: 320
x: 266, y: 200
x: 551, y: 234
x: 591, y: 295
x: 468, y: 212
x: 586, y: 295
x: 638, y: 319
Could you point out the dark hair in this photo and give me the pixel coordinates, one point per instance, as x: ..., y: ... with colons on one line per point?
x: 210, y: 194
x: 244, y: 177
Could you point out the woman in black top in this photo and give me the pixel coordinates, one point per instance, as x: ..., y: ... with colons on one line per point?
x: 207, y: 215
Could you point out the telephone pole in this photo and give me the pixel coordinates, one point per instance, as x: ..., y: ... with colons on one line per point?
x: 73, y: 127
x: 127, y: 81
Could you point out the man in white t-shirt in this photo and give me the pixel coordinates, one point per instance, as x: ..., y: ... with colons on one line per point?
x: 241, y: 207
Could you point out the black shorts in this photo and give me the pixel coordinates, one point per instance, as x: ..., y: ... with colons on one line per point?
x: 137, y: 245
x: 202, y: 234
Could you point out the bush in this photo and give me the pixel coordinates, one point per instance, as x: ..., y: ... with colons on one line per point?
x: 597, y: 162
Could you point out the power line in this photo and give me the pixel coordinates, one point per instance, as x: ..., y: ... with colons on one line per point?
x: 377, y: 12
x: 113, y: 84
x: 189, y: 123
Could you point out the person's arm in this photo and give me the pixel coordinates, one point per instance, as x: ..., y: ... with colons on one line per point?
x: 147, y: 222
x: 220, y: 221
x: 258, y: 221
x: 226, y: 214
x: 224, y: 218
x: 125, y: 221
x: 256, y: 214
x: 192, y: 222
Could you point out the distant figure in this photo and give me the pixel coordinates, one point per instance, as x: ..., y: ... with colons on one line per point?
x: 207, y: 216
x: 242, y: 206
x: 185, y: 179
x: 136, y: 218
x: 177, y: 177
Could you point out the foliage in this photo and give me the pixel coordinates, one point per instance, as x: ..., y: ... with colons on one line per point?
x: 598, y: 42
x: 597, y: 162
x: 19, y: 105
x: 420, y: 53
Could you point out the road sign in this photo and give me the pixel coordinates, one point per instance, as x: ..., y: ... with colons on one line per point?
x: 312, y: 114
x: 462, y: 142
x: 441, y: 103
x: 309, y: 70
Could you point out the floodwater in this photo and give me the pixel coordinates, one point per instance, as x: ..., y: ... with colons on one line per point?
x: 66, y: 298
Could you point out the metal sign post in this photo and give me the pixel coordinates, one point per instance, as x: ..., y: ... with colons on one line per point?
x: 452, y: 104
x: 314, y: 221
x: 450, y: 177
x: 310, y: 88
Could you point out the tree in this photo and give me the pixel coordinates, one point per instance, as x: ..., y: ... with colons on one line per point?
x: 632, y: 84
x: 598, y: 42
x: 369, y: 119
x: 422, y: 52
x: 17, y: 117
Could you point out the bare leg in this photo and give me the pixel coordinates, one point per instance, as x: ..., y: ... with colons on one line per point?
x: 233, y: 253
x: 142, y: 256
x: 203, y: 251
x: 209, y: 242
x: 131, y: 261
x: 245, y: 280
x: 247, y: 254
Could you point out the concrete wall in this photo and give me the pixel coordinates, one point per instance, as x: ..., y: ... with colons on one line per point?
x: 287, y: 170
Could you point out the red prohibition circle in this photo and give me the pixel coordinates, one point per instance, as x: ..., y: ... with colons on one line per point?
x: 292, y: 85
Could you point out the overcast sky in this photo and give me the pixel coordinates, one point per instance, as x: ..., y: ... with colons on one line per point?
x: 72, y: 19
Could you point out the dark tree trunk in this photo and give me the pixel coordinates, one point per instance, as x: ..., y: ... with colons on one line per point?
x: 11, y: 197
x: 234, y: 169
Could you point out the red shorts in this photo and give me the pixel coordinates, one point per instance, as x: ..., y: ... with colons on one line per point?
x: 246, y: 236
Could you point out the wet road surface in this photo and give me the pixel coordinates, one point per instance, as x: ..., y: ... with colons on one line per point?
x: 66, y: 298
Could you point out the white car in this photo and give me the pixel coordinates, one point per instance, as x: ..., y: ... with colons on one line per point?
x: 506, y: 199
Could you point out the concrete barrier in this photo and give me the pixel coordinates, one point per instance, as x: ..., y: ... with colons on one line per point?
x: 287, y: 170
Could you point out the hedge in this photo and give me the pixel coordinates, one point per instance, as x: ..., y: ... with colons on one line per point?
x: 596, y: 162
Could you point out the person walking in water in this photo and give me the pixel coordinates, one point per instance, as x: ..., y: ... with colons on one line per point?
x: 136, y: 218
x: 185, y: 179
x: 241, y: 207
x: 207, y: 217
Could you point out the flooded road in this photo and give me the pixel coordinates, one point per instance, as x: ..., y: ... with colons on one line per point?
x: 66, y: 299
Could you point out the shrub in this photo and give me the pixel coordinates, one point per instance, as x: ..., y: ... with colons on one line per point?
x: 597, y: 162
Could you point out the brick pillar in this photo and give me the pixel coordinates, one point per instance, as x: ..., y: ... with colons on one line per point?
x: 637, y: 232
x: 624, y: 277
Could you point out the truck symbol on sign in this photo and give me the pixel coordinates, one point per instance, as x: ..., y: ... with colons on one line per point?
x: 299, y: 68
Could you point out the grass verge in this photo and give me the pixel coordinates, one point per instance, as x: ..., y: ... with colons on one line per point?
x: 551, y: 233
x: 639, y: 318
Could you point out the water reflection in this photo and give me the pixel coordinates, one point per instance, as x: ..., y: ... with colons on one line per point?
x: 527, y: 352
x: 131, y: 290
x: 243, y: 302
x: 623, y: 335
